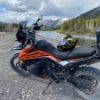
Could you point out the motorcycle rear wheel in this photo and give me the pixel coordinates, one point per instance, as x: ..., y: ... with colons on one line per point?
x: 88, y: 74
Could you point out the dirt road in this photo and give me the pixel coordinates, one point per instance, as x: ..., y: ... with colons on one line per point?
x: 15, y: 87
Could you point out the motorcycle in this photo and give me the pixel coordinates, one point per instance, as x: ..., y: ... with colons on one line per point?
x: 42, y: 59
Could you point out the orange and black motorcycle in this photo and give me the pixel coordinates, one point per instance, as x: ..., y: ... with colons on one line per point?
x: 42, y: 59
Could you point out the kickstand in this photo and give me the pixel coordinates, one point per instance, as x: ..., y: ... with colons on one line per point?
x: 47, y: 87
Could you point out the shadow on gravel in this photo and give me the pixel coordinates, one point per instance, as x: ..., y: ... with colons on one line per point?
x: 65, y: 89
x: 62, y: 89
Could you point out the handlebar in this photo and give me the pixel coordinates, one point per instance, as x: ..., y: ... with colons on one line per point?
x: 36, y: 26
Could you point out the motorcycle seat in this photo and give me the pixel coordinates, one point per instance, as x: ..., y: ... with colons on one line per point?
x: 77, y: 53
x: 73, y: 54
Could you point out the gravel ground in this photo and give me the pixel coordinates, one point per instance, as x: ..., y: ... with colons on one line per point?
x: 15, y: 87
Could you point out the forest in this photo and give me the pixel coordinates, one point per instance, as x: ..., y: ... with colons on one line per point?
x: 81, y: 25
x: 8, y: 27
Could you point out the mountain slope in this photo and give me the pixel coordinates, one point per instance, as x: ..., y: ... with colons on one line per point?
x: 91, y: 14
x: 85, y: 23
x: 51, y: 24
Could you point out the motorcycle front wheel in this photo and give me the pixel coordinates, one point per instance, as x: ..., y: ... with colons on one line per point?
x: 17, y: 66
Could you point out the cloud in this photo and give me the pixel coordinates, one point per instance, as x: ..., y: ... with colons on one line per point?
x: 28, y: 9
x: 13, y: 5
x: 66, y: 8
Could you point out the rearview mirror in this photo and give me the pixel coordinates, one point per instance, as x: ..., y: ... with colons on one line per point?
x: 40, y: 17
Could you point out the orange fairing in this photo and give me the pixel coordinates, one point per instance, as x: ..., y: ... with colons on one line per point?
x: 26, y: 55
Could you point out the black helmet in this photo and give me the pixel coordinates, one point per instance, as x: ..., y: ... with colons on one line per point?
x: 67, y: 43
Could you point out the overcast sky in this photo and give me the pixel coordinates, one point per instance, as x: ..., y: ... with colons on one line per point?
x: 17, y: 10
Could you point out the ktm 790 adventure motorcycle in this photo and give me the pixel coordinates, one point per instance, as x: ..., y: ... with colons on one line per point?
x: 42, y: 59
